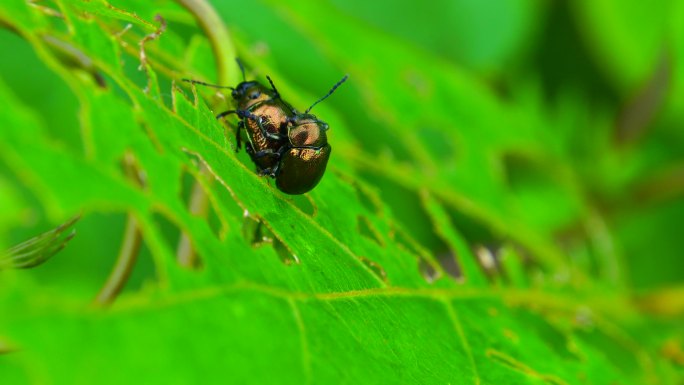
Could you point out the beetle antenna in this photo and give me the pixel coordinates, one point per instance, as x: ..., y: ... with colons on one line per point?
x: 277, y: 94
x: 205, y: 84
x: 242, y: 68
x: 328, y: 94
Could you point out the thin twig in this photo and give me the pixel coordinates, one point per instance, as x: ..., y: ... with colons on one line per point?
x: 219, y: 38
x: 199, y: 205
x: 130, y: 245
x: 125, y: 261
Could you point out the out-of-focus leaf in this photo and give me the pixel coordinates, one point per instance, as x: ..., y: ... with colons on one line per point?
x: 37, y: 250
x: 483, y: 36
x: 628, y: 53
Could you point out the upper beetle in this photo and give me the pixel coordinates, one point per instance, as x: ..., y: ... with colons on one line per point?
x: 264, y: 116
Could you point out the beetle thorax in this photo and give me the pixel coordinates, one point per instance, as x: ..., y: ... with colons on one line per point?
x: 307, y: 133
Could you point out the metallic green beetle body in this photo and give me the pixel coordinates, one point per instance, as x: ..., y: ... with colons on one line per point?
x: 303, y: 161
x: 264, y: 117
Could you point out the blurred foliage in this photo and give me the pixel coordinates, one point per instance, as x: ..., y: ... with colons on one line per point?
x: 503, y: 203
x: 37, y: 250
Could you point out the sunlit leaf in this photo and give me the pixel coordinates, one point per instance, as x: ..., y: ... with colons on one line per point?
x: 463, y: 233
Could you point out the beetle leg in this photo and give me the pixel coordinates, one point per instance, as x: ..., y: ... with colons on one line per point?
x: 267, y: 134
x: 276, y: 168
x: 225, y: 113
x: 263, y: 153
x: 240, y: 126
x: 272, y: 170
x: 193, y: 81
x: 266, y: 172
x: 264, y: 132
x: 238, y: 138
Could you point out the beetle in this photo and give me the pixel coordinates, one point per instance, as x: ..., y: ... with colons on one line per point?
x: 289, y: 146
x: 303, y: 159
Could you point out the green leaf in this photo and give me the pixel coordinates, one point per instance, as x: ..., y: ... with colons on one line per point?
x: 455, y: 238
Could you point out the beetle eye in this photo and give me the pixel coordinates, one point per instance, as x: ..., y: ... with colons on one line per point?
x: 255, y: 95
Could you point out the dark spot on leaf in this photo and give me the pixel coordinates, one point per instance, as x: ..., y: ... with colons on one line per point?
x: 375, y: 267
x: 258, y: 234
x: 428, y: 270
x: 254, y: 232
x: 284, y: 252
x: 366, y: 228
x: 450, y: 266
x: 407, y: 209
x: 199, y: 204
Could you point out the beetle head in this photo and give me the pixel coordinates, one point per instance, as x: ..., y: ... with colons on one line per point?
x: 248, y: 93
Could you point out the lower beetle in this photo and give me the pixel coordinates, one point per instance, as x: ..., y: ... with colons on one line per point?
x: 303, y: 159
x: 284, y: 144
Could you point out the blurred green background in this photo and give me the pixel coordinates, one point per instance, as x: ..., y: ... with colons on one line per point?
x: 552, y: 131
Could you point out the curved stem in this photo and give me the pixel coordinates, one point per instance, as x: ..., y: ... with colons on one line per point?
x: 218, y: 35
x: 199, y: 204
x: 128, y: 254
x: 222, y: 45
x: 130, y: 245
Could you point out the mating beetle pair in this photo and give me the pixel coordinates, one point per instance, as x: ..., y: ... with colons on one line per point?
x: 284, y: 144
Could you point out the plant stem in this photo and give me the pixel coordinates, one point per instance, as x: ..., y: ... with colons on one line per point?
x: 128, y: 254
x: 130, y: 245
x: 218, y: 35
x: 222, y: 46
x: 199, y: 204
